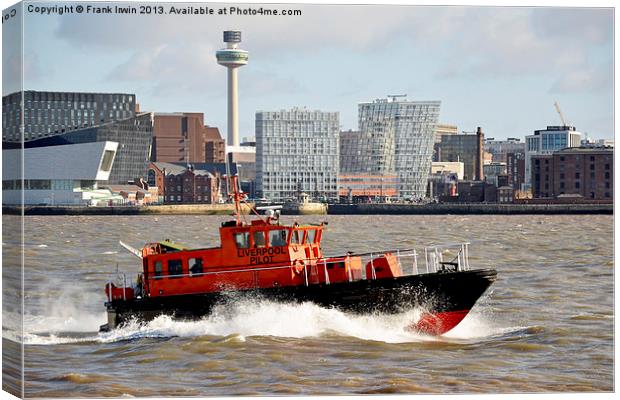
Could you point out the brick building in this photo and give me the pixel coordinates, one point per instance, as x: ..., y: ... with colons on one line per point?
x: 583, y: 171
x: 183, y: 137
x: 180, y: 184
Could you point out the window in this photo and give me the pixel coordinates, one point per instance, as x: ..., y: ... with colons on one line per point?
x: 607, y: 175
x: 242, y: 239
x: 311, y: 235
x: 108, y: 157
x: 259, y: 239
x: 195, y: 266
x: 296, y: 237
x: 159, y: 268
x: 577, y: 185
x: 175, y: 268
x: 576, y: 175
x: 277, y: 237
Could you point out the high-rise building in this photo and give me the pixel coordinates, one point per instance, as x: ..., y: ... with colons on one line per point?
x: 466, y: 148
x: 49, y: 114
x: 369, y: 150
x: 545, y: 142
x: 297, y: 151
x: 183, y: 137
x: 408, y: 128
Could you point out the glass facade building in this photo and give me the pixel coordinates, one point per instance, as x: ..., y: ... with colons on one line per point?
x: 401, y: 135
x: 134, y: 136
x: 297, y: 151
x: 55, y: 113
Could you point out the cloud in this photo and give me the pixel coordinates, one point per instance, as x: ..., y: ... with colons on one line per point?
x: 583, y: 80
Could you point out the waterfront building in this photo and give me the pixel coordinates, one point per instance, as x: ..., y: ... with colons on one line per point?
x: 158, y: 171
x: 370, y: 150
x: 584, y: 171
x: 360, y: 187
x: 400, y: 133
x: 69, y: 174
x: 183, y: 137
x: 297, y: 151
x: 545, y: 142
x: 191, y: 186
x: 465, y: 148
x: 499, y: 149
x: 134, y: 136
x: 49, y: 114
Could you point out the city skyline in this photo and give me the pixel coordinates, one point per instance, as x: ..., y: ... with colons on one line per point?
x: 499, y: 68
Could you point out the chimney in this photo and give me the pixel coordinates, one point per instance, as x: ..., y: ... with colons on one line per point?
x: 479, y: 154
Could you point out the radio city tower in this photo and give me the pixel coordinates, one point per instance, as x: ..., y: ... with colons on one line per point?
x: 232, y: 58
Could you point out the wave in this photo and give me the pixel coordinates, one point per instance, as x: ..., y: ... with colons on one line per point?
x: 248, y: 318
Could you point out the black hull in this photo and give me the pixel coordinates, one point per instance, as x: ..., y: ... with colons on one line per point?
x: 442, y: 292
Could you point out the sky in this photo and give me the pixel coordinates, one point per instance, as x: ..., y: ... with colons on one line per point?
x: 501, y: 68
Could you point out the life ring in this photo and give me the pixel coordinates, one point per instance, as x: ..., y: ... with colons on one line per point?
x: 298, y: 266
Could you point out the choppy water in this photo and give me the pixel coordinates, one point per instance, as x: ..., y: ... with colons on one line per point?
x: 546, y: 325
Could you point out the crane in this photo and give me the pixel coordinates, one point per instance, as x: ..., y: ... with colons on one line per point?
x: 557, y: 107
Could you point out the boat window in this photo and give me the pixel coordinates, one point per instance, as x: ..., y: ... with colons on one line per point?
x: 302, y: 237
x: 159, y: 268
x: 195, y: 266
x: 242, y: 239
x: 175, y: 268
x: 259, y: 239
x: 311, y: 235
x: 296, y: 237
x: 277, y: 237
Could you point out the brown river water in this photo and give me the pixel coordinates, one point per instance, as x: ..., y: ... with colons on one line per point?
x: 546, y: 325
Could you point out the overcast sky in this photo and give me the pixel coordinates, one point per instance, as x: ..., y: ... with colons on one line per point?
x: 499, y: 68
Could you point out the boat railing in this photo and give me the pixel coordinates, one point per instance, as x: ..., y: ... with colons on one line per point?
x: 434, y: 261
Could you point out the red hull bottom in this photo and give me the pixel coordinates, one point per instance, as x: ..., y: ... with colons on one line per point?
x: 440, y: 323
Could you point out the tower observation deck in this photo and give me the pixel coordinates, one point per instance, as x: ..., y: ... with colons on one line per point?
x: 232, y: 58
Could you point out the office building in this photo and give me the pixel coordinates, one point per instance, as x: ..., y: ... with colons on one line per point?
x: 408, y: 128
x: 134, y: 136
x: 297, y: 151
x: 545, y: 142
x: 49, y: 114
x: 444, y: 130
x: 69, y: 174
x: 370, y: 150
x: 183, y: 137
x: 465, y: 148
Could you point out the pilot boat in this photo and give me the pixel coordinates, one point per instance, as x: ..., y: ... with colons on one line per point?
x: 264, y: 259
